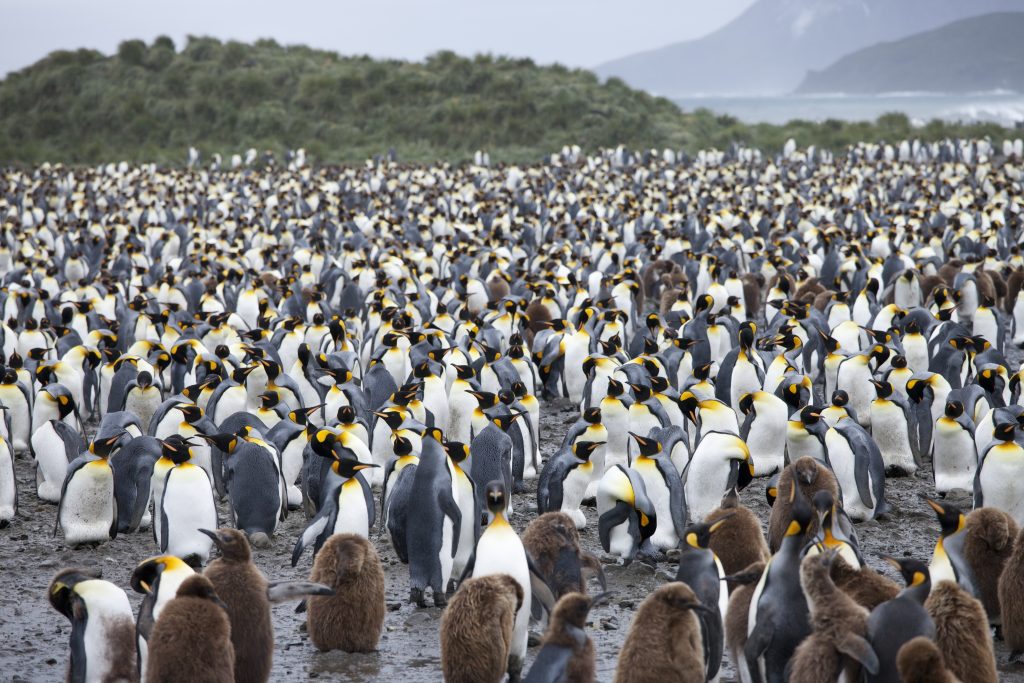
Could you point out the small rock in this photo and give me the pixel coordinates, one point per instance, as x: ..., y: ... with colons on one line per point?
x: 627, y: 604
x: 610, y: 624
x: 394, y: 606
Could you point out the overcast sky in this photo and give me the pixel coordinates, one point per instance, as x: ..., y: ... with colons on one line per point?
x: 573, y: 32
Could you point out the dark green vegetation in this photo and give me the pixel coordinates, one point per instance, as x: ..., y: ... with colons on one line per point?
x: 970, y: 55
x: 151, y: 103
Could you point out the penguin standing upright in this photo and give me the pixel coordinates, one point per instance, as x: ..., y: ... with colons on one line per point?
x: 954, y: 458
x: 664, y: 639
x: 664, y: 489
x: 192, y: 639
x: 565, y: 478
x: 716, y: 465
x: 348, y: 508
x: 859, y: 469
x: 702, y: 571
x: 1011, y: 604
x: 243, y: 588
x: 894, y: 429
x: 351, y: 619
x: 88, y: 508
x: 897, y: 621
x: 8, y: 484
x: 998, y: 480
x: 778, y: 619
x: 500, y: 551
x: 764, y: 431
x: 186, y: 506
x: 477, y: 629
x: 627, y: 518
x: 102, y: 627
x: 433, y: 525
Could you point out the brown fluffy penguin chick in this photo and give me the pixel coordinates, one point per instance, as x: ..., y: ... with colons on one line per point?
x: 739, y: 542
x: 353, y: 618
x: 553, y: 543
x: 838, y: 643
x: 738, y: 612
x: 1011, y: 599
x: 664, y: 642
x: 191, y: 641
x: 567, y: 632
x: 476, y: 629
x: 865, y: 586
x: 1013, y: 286
x: 961, y: 629
x: 812, y: 477
x: 919, y: 661
x: 988, y: 544
x: 243, y: 588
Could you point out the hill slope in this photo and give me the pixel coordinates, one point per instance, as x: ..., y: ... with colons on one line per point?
x: 970, y: 55
x: 150, y: 102
x: 770, y: 47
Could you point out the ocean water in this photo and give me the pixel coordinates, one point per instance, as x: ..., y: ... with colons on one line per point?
x: 1006, y: 108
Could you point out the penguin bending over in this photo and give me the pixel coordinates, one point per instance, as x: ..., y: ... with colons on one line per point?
x: 553, y: 544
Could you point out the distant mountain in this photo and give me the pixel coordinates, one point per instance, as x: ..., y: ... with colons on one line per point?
x: 771, y: 46
x: 970, y: 55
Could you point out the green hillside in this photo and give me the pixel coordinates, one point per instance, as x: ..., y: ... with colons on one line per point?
x: 971, y: 55
x: 151, y: 102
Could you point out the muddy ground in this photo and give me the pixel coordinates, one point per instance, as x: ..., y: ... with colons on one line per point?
x: 34, y: 637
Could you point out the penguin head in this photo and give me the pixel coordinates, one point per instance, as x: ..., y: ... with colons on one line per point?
x: 951, y: 519
x: 225, y: 442
x: 464, y: 372
x: 484, y: 399
x: 504, y: 422
x: 592, y: 416
x: 65, y: 404
x: 615, y: 388
x: 1005, y: 431
x: 882, y: 389
x: 840, y: 398
x: 348, y: 467
x: 494, y: 495
x: 899, y: 361
x: 914, y: 572
x: 146, y: 576
x: 879, y: 353
x: 698, y: 535
x: 269, y: 399
x: 659, y: 384
x: 104, y: 447
x: 689, y: 405
x: 746, y: 334
x: 232, y: 543
x: 346, y: 414
x: 144, y: 379
x: 63, y: 594
x: 401, y: 446
x: 176, y: 449
x: 519, y: 390
x: 457, y: 451
x: 648, y: 447
x: 189, y: 411
x: 241, y: 373
x: 987, y: 379
x: 747, y: 404
x: 584, y: 449
x: 702, y: 372
x: 198, y: 586
x: 641, y: 392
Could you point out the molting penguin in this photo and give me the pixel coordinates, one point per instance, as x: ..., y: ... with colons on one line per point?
x: 102, y: 629
x: 567, y: 652
x: 739, y: 541
x: 353, y: 618
x: 1011, y: 600
x: 920, y: 661
x: 88, y: 508
x: 810, y: 477
x: 988, y: 545
x: 961, y: 630
x: 553, y: 544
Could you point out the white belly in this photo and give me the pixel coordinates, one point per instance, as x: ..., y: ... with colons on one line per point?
x: 88, y: 512
x: 953, y: 458
x: 501, y: 552
x: 574, y: 489
x: 51, y: 463
x: 844, y: 466
x: 665, y: 536
x: 890, y: 431
x: 352, y: 514
x: 188, y: 506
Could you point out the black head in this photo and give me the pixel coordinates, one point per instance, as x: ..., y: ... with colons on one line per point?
x: 495, y: 497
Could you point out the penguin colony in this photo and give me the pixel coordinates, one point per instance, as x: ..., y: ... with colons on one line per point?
x: 190, y: 356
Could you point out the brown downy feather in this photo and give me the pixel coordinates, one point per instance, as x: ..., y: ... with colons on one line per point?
x: 554, y: 545
x: 497, y: 287
x: 865, y: 586
x: 664, y: 642
x: 191, y: 641
x: 928, y: 284
x: 809, y: 290
x: 986, y: 288
x: 243, y: 588
x: 669, y: 296
x: 752, y: 285
x: 737, y: 613
x: 988, y: 544
x: 537, y: 313
x: 476, y: 629
x: 571, y: 611
x: 822, y: 300
x: 739, y: 542
x: 950, y: 269
x: 813, y: 477
x: 919, y: 661
x: 838, y: 642
x: 962, y: 633
x: 353, y: 618
x: 1013, y: 285
x: 1011, y: 597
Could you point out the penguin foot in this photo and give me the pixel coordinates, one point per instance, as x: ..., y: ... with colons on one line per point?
x: 416, y: 595
x: 519, y: 487
x: 997, y: 632
x: 533, y: 639
x: 259, y: 540
x: 1016, y: 657
x: 451, y: 588
x: 589, y: 502
x: 440, y: 599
